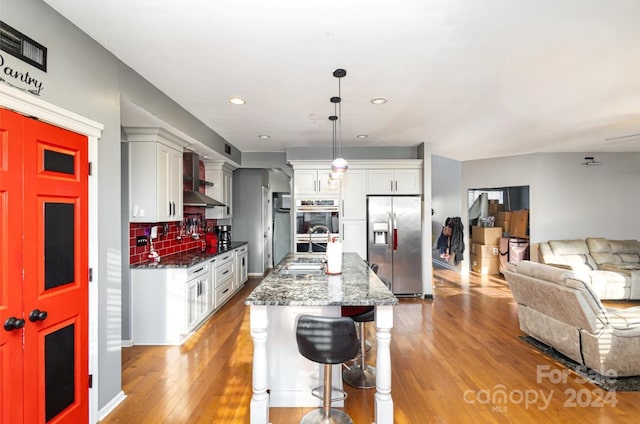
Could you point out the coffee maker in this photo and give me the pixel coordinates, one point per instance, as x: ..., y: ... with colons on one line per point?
x: 224, y: 234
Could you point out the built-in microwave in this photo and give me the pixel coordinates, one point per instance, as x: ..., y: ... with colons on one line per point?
x: 311, y: 213
x: 313, y: 218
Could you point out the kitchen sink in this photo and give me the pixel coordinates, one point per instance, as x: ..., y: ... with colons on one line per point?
x: 303, y: 268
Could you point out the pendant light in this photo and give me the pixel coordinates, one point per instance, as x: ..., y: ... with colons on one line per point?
x: 339, y: 165
x: 334, y: 180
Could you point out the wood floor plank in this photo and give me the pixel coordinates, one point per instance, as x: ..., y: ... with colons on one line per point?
x: 452, y: 356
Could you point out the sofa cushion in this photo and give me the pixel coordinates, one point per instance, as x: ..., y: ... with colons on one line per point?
x: 544, y: 272
x: 574, y: 253
x: 606, y: 251
x: 569, y: 247
x: 597, y: 245
x: 605, y: 258
x: 625, y: 247
x: 590, y: 298
x: 580, y: 263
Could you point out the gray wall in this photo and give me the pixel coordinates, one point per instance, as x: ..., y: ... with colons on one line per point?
x: 567, y: 199
x: 446, y: 184
x: 320, y: 153
x: 247, y: 213
x: 84, y: 78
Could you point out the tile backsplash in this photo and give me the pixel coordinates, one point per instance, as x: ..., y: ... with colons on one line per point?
x: 175, y: 240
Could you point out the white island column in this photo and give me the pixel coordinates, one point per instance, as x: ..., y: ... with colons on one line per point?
x: 260, y: 399
x: 383, y: 400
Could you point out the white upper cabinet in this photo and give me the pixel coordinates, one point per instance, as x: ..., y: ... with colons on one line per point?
x: 394, y: 181
x: 312, y: 182
x: 221, y: 175
x: 155, y: 175
x: 354, y: 200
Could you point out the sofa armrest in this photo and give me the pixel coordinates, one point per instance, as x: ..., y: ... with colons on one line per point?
x: 624, y: 319
x: 623, y: 268
x: 563, y: 266
x: 633, y: 331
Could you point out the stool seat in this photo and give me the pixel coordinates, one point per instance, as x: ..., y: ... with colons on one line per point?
x: 328, y: 341
x: 352, y: 311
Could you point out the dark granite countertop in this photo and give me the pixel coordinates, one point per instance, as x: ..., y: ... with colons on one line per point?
x: 358, y: 285
x: 188, y: 258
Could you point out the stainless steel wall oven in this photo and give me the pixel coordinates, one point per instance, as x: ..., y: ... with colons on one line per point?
x: 317, y: 220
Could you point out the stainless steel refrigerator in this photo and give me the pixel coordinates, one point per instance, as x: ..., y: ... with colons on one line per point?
x: 394, y: 241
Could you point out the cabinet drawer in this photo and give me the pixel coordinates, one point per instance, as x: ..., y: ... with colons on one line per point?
x: 223, y: 273
x: 224, y: 258
x: 241, y: 250
x: 197, y: 270
x: 224, y: 292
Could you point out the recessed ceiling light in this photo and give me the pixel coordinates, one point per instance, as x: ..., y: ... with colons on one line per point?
x: 264, y: 136
x: 362, y: 136
x: 237, y: 101
x: 379, y: 101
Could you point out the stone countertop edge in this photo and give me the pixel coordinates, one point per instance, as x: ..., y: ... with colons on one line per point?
x: 188, y: 258
x: 358, y: 285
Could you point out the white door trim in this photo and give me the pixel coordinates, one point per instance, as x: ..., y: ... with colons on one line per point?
x: 27, y: 104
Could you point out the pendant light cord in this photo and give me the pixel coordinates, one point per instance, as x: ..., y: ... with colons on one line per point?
x: 340, y: 118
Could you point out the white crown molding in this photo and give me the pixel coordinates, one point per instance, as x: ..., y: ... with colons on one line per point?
x: 29, y: 105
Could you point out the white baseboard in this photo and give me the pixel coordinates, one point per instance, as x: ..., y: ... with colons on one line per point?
x: 117, y: 400
x: 444, y: 264
x: 127, y: 343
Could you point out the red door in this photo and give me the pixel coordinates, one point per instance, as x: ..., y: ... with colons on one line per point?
x: 44, y: 219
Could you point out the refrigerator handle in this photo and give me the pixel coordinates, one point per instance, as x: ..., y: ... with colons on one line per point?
x: 395, y: 233
x: 391, y: 232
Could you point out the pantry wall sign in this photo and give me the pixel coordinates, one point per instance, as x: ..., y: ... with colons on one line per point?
x: 25, y: 49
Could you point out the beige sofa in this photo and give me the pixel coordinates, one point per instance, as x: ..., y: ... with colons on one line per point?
x: 622, y: 256
x: 559, y: 308
x: 611, y: 267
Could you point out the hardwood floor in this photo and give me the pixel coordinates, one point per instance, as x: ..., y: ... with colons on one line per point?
x: 452, y: 358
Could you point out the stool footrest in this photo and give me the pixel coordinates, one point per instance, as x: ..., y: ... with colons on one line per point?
x: 318, y: 392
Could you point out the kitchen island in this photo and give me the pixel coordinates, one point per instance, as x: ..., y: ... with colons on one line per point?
x: 281, y: 376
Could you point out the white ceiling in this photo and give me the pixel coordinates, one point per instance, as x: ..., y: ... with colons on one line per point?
x: 476, y: 78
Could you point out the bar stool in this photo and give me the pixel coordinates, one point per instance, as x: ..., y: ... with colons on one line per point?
x: 361, y: 375
x: 328, y: 341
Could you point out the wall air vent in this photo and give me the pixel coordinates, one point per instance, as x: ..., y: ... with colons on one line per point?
x: 24, y: 48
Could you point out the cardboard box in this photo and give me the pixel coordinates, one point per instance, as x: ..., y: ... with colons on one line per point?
x: 484, y: 250
x: 519, y: 223
x: 504, y: 216
x: 485, y: 265
x: 494, y: 207
x: 503, y: 224
x: 486, y: 235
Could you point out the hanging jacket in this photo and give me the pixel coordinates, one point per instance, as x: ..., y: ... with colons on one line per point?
x: 456, y: 247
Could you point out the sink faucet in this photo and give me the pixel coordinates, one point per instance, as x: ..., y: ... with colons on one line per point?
x: 313, y: 230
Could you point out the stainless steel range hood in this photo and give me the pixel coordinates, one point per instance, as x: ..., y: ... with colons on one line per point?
x: 194, y: 197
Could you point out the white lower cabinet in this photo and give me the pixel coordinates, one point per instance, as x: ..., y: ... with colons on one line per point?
x: 242, y: 269
x: 225, y: 270
x: 168, y: 304
x: 211, y: 285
